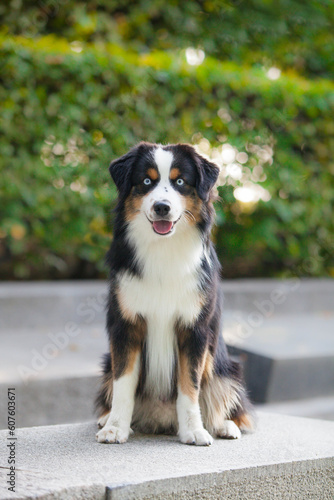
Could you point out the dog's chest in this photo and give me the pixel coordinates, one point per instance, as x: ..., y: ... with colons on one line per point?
x: 166, y: 292
x: 162, y: 292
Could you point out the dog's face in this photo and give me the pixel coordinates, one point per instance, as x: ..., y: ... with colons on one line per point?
x: 163, y: 185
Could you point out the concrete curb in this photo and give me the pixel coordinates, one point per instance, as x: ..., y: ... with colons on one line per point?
x: 287, y: 458
x: 29, y: 303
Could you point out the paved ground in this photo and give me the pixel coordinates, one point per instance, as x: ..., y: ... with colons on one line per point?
x: 286, y: 458
x: 47, y: 351
x: 42, y: 353
x: 286, y: 336
x: 52, y: 339
x: 320, y: 407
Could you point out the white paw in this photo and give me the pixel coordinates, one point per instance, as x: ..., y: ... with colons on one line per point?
x: 200, y: 437
x: 229, y: 431
x: 112, y: 434
x: 103, y: 420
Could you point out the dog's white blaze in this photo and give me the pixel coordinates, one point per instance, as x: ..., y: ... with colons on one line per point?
x: 164, y: 160
x: 168, y: 290
x: 163, y: 190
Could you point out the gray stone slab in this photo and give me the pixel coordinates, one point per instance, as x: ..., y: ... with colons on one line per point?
x: 272, y: 380
x: 291, y: 296
x: 56, y: 377
x: 49, y: 369
x: 287, y: 457
x: 319, y: 407
x: 282, y: 336
x: 52, y: 401
x: 26, y: 304
x: 37, y: 304
x: 285, y: 357
x: 47, y: 353
x: 53, y: 336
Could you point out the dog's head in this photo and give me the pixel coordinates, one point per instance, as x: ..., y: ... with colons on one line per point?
x: 163, y: 185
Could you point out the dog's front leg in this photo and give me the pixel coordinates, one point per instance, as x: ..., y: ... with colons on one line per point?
x: 192, y: 351
x: 126, y: 366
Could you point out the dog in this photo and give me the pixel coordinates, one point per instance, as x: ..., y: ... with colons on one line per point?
x: 168, y: 369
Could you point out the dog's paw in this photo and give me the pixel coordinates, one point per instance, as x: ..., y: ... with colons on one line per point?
x: 103, y: 420
x: 112, y: 434
x: 199, y: 437
x: 229, y: 431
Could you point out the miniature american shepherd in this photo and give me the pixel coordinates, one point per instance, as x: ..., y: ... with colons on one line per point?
x: 168, y: 369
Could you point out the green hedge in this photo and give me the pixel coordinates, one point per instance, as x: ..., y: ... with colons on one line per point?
x: 293, y: 34
x: 68, y: 109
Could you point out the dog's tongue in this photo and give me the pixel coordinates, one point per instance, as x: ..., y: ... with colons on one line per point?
x: 162, y: 226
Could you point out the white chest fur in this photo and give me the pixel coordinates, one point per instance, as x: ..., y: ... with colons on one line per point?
x: 168, y: 290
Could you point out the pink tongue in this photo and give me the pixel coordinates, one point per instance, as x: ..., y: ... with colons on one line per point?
x: 162, y: 226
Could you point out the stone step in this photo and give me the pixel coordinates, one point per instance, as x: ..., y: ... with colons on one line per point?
x: 56, y: 375
x: 33, y: 304
x: 285, y: 357
x: 286, y: 457
x: 320, y: 407
x: 53, y: 336
x: 71, y: 400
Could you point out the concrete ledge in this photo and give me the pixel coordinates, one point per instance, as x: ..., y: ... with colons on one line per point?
x: 51, y: 401
x: 287, y: 458
x: 280, y: 329
x: 29, y: 303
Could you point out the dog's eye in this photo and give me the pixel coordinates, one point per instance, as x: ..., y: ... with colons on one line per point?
x: 180, y: 182
x: 147, y: 181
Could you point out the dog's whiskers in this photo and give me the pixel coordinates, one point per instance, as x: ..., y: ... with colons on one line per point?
x: 189, y: 216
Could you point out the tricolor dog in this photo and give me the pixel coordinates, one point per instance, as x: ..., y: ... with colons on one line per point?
x: 168, y: 370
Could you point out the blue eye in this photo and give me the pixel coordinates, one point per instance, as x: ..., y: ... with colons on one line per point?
x: 180, y: 182
x: 147, y: 181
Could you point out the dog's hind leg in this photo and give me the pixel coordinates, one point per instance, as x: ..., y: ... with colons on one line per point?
x: 225, y: 408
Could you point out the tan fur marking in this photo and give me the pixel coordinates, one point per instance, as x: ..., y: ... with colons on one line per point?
x: 131, y: 361
x: 136, y: 332
x: 194, y: 209
x: 219, y: 397
x: 104, y: 413
x: 174, y: 174
x: 153, y: 173
x: 132, y: 207
x: 208, y: 368
x: 244, y: 422
x: 186, y: 384
x: 126, y: 313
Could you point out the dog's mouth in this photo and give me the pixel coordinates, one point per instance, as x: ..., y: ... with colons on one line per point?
x: 163, y: 227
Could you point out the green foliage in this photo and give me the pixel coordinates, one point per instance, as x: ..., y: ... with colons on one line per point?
x: 292, y: 34
x: 73, y: 108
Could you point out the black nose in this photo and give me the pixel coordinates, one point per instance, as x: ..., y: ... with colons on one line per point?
x: 161, y: 208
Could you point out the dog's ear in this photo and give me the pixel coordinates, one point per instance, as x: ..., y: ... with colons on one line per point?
x: 207, y: 176
x: 121, y: 170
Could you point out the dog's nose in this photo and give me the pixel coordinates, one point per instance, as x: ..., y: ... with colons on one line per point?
x: 161, y: 208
